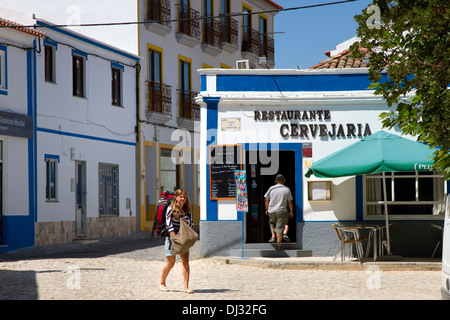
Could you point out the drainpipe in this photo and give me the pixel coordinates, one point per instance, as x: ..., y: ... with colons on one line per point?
x: 138, y: 148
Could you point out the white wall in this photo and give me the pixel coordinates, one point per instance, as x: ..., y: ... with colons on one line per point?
x: 107, y: 131
x: 342, y: 205
x: 93, y: 153
x: 15, y: 176
x: 15, y: 150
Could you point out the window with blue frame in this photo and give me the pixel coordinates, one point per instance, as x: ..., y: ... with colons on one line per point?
x: 116, y: 84
x: 50, y: 48
x: 79, y: 73
x: 51, y: 163
x: 108, y: 189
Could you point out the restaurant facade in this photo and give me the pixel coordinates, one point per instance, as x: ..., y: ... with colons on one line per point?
x: 281, y: 121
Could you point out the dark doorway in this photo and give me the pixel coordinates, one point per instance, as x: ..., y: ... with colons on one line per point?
x: 257, y: 222
x: 80, y: 197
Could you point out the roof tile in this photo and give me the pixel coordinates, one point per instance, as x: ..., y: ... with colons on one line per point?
x: 20, y: 27
x: 342, y: 60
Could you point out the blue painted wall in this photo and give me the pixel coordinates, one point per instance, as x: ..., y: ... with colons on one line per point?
x: 292, y: 83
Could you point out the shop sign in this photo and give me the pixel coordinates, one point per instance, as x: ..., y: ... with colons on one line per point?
x: 17, y: 125
x: 231, y: 124
x: 301, y: 124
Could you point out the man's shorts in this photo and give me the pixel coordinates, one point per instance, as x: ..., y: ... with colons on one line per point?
x: 277, y: 221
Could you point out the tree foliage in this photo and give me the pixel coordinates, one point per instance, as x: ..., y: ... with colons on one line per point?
x: 410, y: 40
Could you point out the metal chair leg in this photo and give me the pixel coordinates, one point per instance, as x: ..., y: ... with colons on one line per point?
x: 435, y: 249
x: 369, y: 242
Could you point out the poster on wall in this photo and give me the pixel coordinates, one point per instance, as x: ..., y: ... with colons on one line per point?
x: 223, y: 161
x: 241, y: 191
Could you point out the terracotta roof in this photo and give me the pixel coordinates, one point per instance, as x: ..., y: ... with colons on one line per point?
x: 343, y: 60
x: 20, y: 27
x: 276, y: 5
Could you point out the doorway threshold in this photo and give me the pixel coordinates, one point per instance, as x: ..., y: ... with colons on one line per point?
x: 268, y: 250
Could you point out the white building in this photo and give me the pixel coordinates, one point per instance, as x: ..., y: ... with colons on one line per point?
x: 280, y: 121
x: 17, y: 137
x: 173, y: 43
x: 172, y: 52
x: 86, y: 120
x: 81, y: 96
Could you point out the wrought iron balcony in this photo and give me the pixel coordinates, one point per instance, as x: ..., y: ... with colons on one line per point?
x: 212, y: 32
x: 258, y: 44
x: 188, y: 108
x: 230, y: 31
x: 159, y: 11
x: 266, y: 47
x: 159, y: 98
x: 188, y: 21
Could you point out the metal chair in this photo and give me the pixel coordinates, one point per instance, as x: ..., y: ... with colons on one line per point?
x: 347, y: 236
x: 438, y: 232
x: 382, y: 240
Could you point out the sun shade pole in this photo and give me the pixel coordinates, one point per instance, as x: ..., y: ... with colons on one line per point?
x: 388, y: 241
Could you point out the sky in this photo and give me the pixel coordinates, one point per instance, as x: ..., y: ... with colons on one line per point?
x: 308, y: 33
x: 301, y: 36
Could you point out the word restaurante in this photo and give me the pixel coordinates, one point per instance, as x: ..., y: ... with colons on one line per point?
x: 302, y: 130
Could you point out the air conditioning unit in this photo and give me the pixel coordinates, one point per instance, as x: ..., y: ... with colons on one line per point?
x: 242, y: 64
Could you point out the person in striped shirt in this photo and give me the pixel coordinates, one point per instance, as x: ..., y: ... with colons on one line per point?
x: 179, y: 209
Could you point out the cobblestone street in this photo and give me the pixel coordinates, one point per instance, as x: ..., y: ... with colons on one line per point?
x: 95, y: 272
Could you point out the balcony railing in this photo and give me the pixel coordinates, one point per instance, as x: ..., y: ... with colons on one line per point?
x: 266, y: 47
x: 188, y: 21
x: 250, y: 40
x: 189, y: 109
x: 230, y: 31
x: 159, y: 97
x: 256, y: 43
x: 212, y: 32
x: 159, y: 11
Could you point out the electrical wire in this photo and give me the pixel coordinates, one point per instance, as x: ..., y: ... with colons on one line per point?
x: 225, y: 15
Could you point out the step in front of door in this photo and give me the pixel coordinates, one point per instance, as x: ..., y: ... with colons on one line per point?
x: 270, y: 253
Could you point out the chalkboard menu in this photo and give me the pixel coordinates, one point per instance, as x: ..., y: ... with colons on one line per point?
x: 223, y: 160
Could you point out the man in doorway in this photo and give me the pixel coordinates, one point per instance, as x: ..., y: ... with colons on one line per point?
x: 278, y: 199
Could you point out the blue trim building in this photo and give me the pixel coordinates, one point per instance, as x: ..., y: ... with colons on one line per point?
x: 282, y: 121
x: 29, y: 214
x: 18, y: 139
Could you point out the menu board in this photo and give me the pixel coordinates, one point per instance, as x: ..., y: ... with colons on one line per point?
x: 223, y: 161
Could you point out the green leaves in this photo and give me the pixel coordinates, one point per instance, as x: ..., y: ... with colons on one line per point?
x: 373, y: 85
x: 411, y: 42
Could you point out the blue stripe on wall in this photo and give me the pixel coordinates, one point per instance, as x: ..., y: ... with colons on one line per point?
x: 211, y: 125
x: 337, y: 82
x: 83, y: 136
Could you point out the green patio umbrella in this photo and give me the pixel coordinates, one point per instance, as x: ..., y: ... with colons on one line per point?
x: 380, y: 152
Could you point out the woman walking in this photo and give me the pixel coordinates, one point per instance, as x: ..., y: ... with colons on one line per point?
x: 179, y: 209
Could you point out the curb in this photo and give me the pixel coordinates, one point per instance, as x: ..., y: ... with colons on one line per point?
x: 330, y: 265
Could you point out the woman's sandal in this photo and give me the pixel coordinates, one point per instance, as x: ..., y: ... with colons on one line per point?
x: 188, y: 291
x: 163, y: 288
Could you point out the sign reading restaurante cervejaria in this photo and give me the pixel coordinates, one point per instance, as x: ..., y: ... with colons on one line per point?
x: 297, y: 124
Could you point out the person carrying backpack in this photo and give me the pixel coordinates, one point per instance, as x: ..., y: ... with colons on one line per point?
x: 180, y: 208
x: 159, y: 225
